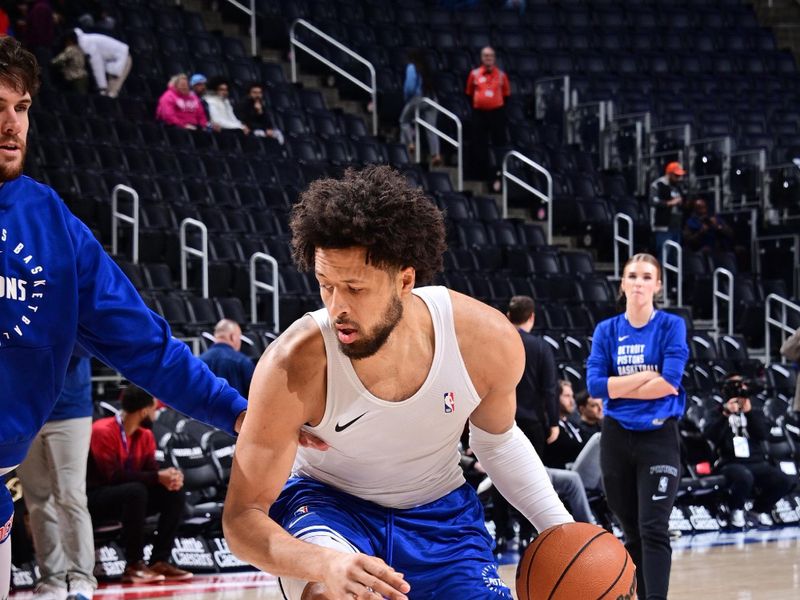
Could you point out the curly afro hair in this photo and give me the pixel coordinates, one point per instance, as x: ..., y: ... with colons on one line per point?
x: 376, y: 208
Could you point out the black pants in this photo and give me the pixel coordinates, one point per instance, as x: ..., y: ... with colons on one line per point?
x: 537, y: 434
x: 130, y: 503
x: 486, y: 125
x: 641, y: 473
x: 770, y: 483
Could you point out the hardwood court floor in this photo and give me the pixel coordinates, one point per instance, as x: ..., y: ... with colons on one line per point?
x: 753, y: 566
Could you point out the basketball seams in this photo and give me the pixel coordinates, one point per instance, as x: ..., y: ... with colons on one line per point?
x: 572, y: 561
x: 539, y: 541
x: 614, y: 583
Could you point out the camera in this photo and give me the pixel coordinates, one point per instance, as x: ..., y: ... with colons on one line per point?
x: 735, y: 388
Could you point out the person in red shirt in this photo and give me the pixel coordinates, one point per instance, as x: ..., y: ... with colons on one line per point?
x: 125, y: 483
x: 488, y: 87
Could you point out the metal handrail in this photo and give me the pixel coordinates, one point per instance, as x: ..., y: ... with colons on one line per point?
x: 782, y: 323
x: 372, y: 89
x: 458, y: 143
x: 202, y: 254
x: 256, y: 284
x: 250, y: 12
x: 618, y: 239
x: 548, y: 197
x: 720, y: 295
x: 676, y: 268
x: 132, y: 220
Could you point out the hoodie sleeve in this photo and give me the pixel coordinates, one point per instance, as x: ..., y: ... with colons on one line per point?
x: 115, y: 325
x: 99, y: 69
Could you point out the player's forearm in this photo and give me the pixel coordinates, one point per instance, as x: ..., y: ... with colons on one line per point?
x: 652, y: 390
x: 621, y: 386
x: 258, y: 540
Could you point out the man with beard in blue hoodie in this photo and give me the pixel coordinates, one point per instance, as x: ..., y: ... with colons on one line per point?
x: 59, y: 287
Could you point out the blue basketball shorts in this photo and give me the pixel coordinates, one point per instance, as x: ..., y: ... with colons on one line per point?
x: 442, y: 548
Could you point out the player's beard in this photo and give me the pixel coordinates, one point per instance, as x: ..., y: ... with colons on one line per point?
x: 370, y: 344
x: 12, y: 170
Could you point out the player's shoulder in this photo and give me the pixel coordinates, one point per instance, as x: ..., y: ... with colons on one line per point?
x: 668, y: 320
x: 301, y: 346
x: 480, y: 325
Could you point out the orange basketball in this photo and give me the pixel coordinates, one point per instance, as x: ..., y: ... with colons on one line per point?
x: 576, y: 560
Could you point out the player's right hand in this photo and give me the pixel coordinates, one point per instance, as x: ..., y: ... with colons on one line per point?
x: 364, y: 577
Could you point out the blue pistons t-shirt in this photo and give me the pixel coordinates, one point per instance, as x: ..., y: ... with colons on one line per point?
x: 618, y: 348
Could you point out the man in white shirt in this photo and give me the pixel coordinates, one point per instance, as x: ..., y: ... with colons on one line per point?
x: 109, y: 58
x: 220, y: 109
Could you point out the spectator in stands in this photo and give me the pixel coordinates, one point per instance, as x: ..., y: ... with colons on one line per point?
x: 110, y: 60
x: 666, y: 206
x: 253, y: 113
x: 53, y: 476
x: 591, y: 412
x: 179, y: 106
x: 72, y: 63
x: 791, y: 350
x: 487, y: 87
x: 574, y: 448
x: 738, y: 432
x: 198, y: 85
x: 125, y: 483
x: 566, y: 447
x: 419, y: 82
x: 705, y: 232
x: 635, y: 366
x: 224, y: 358
x: 537, y: 407
x: 220, y: 109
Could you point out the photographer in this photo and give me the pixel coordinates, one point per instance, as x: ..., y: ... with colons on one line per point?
x: 738, y: 432
x: 705, y: 232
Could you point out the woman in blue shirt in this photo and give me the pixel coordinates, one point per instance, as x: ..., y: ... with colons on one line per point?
x: 418, y: 84
x: 635, y: 366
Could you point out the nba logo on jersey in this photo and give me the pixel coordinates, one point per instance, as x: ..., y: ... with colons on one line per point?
x: 662, y: 484
x: 449, y: 402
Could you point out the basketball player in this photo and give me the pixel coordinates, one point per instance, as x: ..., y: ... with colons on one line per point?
x: 58, y: 286
x: 387, y: 376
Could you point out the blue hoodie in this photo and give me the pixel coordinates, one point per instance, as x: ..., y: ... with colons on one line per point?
x: 618, y: 348
x: 58, y: 287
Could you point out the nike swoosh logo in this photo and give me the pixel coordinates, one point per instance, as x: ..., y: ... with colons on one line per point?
x: 622, y: 338
x: 339, y: 427
x: 654, y: 497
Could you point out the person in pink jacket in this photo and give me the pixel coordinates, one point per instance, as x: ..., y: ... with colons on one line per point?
x: 180, y: 106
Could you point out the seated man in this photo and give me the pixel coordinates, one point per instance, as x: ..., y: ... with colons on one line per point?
x: 737, y: 432
x: 224, y: 358
x: 125, y: 483
x: 707, y: 232
x: 591, y: 412
x: 220, y: 109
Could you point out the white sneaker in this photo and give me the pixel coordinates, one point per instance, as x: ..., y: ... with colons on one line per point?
x: 765, y: 520
x: 49, y: 591
x: 737, y: 519
x: 80, y: 590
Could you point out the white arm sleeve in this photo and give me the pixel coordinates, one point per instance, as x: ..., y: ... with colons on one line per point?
x: 518, y: 473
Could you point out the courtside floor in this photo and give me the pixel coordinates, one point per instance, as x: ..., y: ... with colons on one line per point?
x: 753, y: 565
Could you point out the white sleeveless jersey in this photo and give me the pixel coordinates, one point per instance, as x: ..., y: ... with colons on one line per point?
x: 396, y: 454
